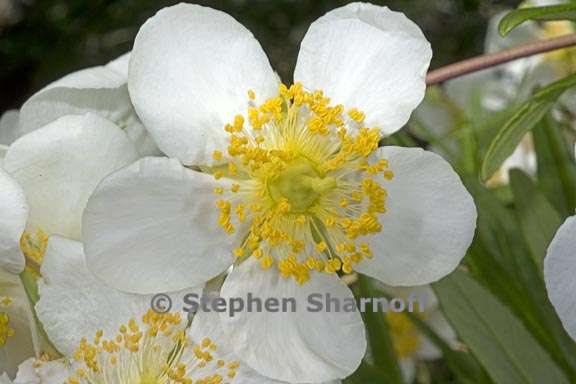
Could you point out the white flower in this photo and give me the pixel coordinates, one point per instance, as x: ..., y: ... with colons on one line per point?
x: 17, y: 335
x: 46, y: 179
x: 291, y: 181
x: 101, y: 90
x: 559, y: 270
x: 110, y: 337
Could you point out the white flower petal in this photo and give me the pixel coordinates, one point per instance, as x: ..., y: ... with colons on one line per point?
x: 367, y: 57
x: 152, y: 227
x: 59, y: 166
x: 101, y: 90
x: 301, y: 346
x: 74, y: 304
x: 190, y: 72
x: 408, y: 368
x: 9, y: 130
x: 559, y: 270
x: 439, y: 324
x: 12, y: 223
x: 429, y: 223
x: 3, y: 150
x: 208, y: 324
x: 34, y: 371
x: 98, y: 90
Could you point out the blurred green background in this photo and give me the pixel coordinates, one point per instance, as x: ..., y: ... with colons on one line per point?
x: 41, y: 41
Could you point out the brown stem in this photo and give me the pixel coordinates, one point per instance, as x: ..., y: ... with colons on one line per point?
x: 481, y: 62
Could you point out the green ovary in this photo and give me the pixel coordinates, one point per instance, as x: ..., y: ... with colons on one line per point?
x: 301, y: 185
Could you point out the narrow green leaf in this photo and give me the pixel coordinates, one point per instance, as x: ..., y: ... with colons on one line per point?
x: 464, y: 366
x: 522, y: 121
x: 508, y: 352
x: 538, y: 218
x: 500, y: 259
x: 556, y: 166
x: 547, y: 13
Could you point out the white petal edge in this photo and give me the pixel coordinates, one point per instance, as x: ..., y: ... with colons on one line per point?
x: 74, y: 304
x: 12, y: 222
x: 99, y: 90
x: 152, y: 227
x: 559, y: 270
x: 60, y: 165
x: 429, y: 223
x: 367, y: 57
x: 208, y: 324
x: 190, y: 71
x: 296, y: 347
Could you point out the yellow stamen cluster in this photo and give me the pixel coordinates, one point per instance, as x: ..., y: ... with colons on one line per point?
x: 156, y: 350
x: 405, y: 337
x: 5, y: 301
x: 5, y: 330
x: 33, y: 246
x: 301, y: 175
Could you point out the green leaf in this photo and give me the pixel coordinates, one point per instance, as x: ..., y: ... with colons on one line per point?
x: 538, y: 218
x: 379, y: 337
x: 500, y: 259
x: 508, y: 352
x: 464, y: 366
x: 556, y: 166
x: 522, y: 121
x: 367, y: 373
x: 547, y: 13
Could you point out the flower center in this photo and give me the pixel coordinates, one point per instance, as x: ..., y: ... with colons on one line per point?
x: 304, y: 178
x: 301, y: 185
x: 158, y: 354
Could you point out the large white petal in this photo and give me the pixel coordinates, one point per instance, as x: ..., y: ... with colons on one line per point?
x: 152, y: 227
x: 36, y: 371
x: 190, y: 71
x: 74, y: 304
x: 59, y: 166
x: 301, y: 346
x: 367, y: 57
x: 101, y: 90
x: 559, y: 270
x: 98, y: 89
x: 13, y: 217
x: 429, y: 223
x: 208, y: 324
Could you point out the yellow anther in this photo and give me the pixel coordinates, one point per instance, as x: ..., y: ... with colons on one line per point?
x: 217, y: 155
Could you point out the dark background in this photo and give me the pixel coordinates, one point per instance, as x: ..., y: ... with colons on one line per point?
x: 42, y: 40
